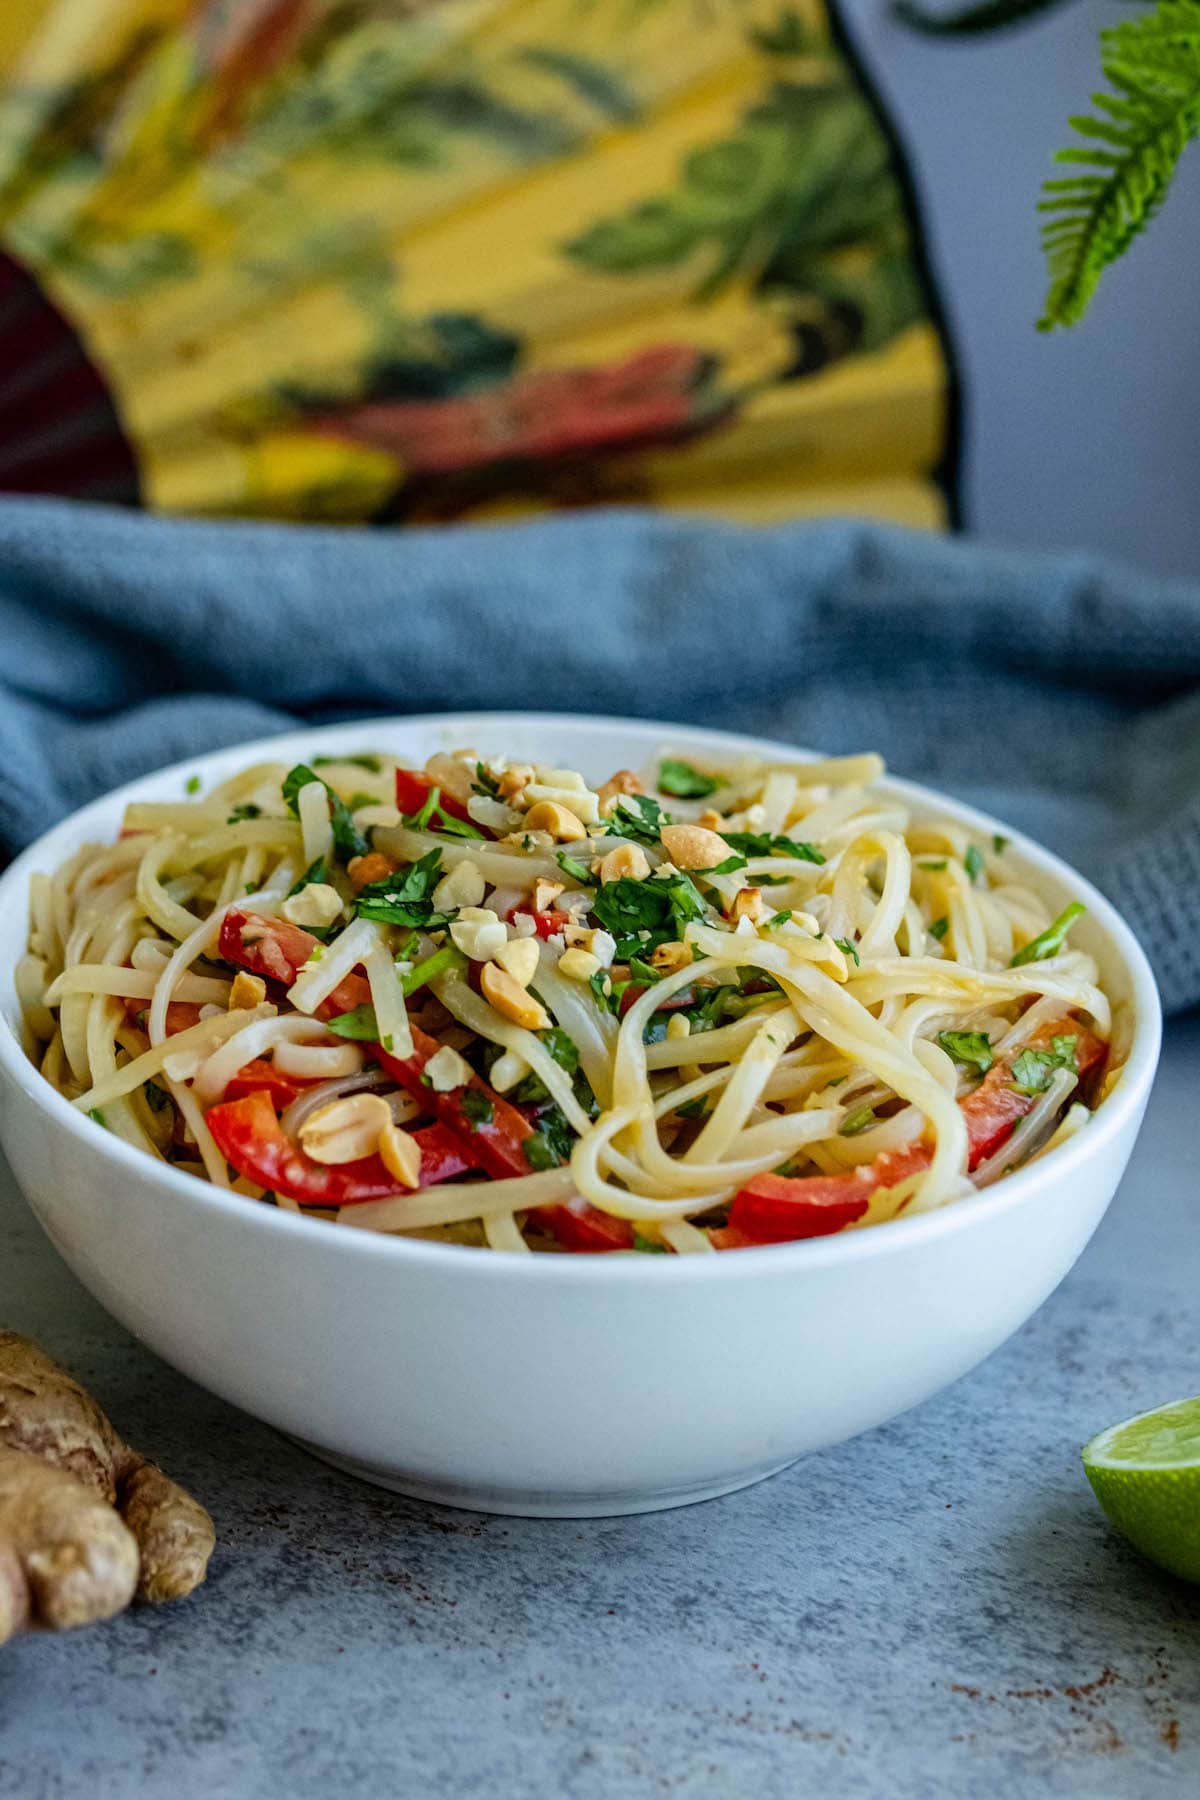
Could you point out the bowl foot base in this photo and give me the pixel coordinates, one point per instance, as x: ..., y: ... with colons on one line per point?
x: 540, y: 1505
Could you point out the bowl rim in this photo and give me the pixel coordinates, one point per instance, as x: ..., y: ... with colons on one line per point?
x: 1058, y: 1167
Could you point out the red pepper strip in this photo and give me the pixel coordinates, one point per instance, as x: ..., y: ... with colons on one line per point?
x: 413, y: 790
x: 260, y: 1073
x: 181, y: 1014
x: 994, y: 1107
x: 248, y: 1135
x: 497, y: 1141
x: 545, y: 924
x: 775, y: 1209
x: 277, y: 950
x: 578, y: 1225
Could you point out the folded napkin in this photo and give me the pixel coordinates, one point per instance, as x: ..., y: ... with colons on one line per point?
x: 1059, y: 692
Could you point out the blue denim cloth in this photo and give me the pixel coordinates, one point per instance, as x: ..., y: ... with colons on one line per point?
x: 1059, y: 692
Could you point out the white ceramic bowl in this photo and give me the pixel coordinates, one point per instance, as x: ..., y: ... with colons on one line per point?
x: 558, y: 1385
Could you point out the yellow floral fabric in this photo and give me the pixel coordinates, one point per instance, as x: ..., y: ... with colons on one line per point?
x: 430, y: 259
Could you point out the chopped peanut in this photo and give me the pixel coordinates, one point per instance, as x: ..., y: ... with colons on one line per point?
x: 247, y: 990
x: 669, y: 957
x: 748, y: 903
x: 513, y: 780
x: 375, y: 866
x: 711, y: 821
x: 447, y: 1070
x: 694, y: 847
x: 628, y: 863
x: 512, y: 1000
x: 401, y: 1155
x: 545, y: 893
x: 519, y: 958
x: 317, y: 904
x: 462, y: 886
x: 623, y: 782
x: 345, y: 1130
x: 578, y: 965
x: 478, y: 933
x: 562, y: 825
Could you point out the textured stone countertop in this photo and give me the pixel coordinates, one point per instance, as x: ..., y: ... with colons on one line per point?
x: 935, y: 1609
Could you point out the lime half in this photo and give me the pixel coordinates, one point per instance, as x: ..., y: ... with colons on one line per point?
x: 1145, y: 1473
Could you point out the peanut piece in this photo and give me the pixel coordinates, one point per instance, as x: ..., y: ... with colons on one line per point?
x: 694, y: 847
x: 628, y: 863
x: 345, y: 1130
x: 562, y: 825
x: 375, y: 866
x: 401, y: 1155
x: 510, y: 999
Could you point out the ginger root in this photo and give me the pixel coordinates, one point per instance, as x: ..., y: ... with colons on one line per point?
x: 85, y: 1522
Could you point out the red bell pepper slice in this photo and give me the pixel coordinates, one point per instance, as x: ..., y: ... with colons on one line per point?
x: 992, y: 1109
x: 775, y: 1209
x: 278, y: 951
x: 545, y: 924
x: 413, y: 790
x: 498, y: 1141
x: 248, y: 1134
x: 260, y: 1073
x: 578, y: 1225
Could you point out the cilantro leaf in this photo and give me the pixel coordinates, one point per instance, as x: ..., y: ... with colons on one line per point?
x: 485, y: 783
x: 348, y: 841
x: 861, y: 1119
x: 693, y: 1109
x: 973, y: 862
x: 999, y: 843
x: 638, y: 818
x: 660, y: 907
x: 684, y: 780
x: 727, y: 867
x: 776, y: 920
x: 939, y: 928
x: 849, y: 949
x: 550, y: 1145
x: 1031, y: 1071
x: 405, y: 898
x: 477, y: 1108
x: 359, y: 1024
x: 316, y: 871
x: 767, y: 843
x: 1049, y: 942
x: 190, y: 786
x: 968, y: 1047
x: 246, y: 809
x: 156, y: 1096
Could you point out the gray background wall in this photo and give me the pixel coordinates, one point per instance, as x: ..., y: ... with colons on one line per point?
x: 1086, y: 438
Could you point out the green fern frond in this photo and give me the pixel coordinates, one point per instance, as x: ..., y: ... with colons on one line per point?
x: 1153, y: 63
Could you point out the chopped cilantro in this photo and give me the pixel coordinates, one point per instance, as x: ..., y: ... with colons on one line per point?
x: 660, y: 906
x: 156, y: 1096
x: 776, y: 920
x: 643, y: 971
x: 371, y: 764
x: 361, y: 799
x: 861, y: 1119
x: 646, y: 1245
x: 95, y: 1114
x: 477, y: 1108
x: 849, y: 949
x: 684, y: 781
x: 485, y: 783
x: 999, y: 843
x: 727, y: 867
x: 766, y: 843
x: 562, y: 1048
x: 405, y: 898
x: 968, y: 1047
x: 939, y: 928
x: 347, y: 838
x: 576, y: 870
x: 603, y: 990
x: 316, y: 871
x: 190, y: 786
x: 1031, y: 1071
x: 638, y: 818
x: 932, y: 865
x: 550, y: 1145
x: 1049, y: 942
x: 359, y: 1024
x: 973, y: 862
x: 693, y: 1109
x: 246, y: 809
